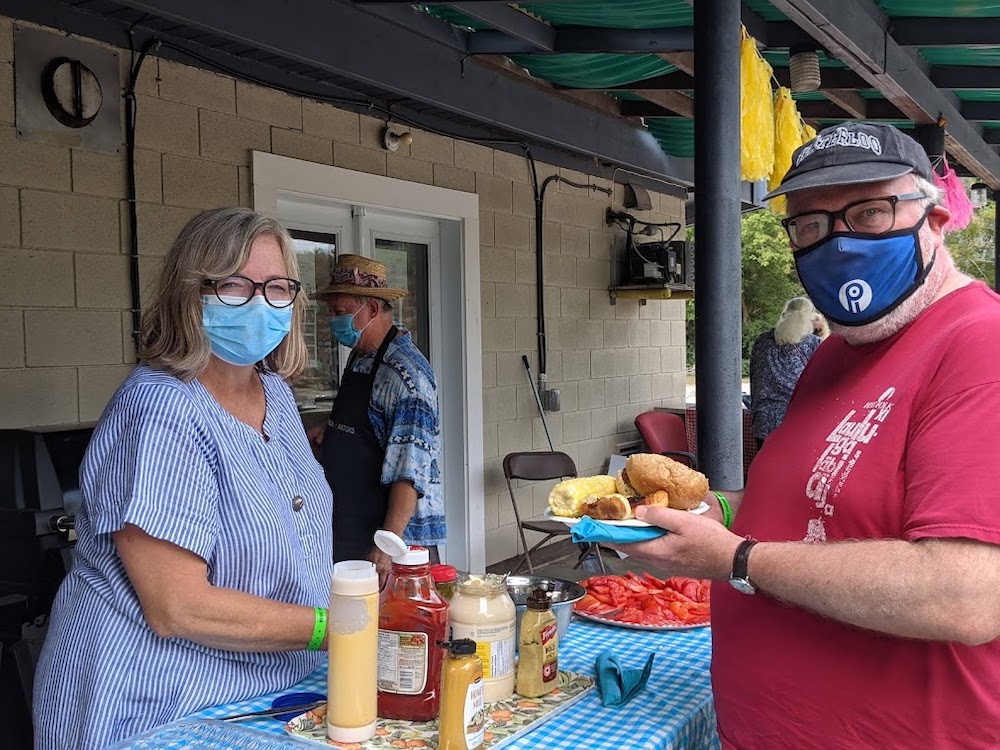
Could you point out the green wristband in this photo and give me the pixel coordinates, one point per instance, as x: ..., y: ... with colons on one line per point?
x: 319, y: 629
x: 727, y: 509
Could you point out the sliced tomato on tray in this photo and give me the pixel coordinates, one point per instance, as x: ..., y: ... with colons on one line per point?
x: 646, y: 601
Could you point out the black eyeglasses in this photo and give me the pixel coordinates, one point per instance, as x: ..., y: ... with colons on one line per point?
x: 870, y: 216
x: 238, y: 290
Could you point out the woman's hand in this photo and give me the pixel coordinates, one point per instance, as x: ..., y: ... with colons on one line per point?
x: 696, y: 546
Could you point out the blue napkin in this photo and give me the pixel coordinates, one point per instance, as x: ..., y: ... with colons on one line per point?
x: 589, y: 530
x: 619, y: 684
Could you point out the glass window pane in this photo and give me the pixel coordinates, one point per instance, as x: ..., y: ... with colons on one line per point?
x: 407, y: 265
x: 316, y: 254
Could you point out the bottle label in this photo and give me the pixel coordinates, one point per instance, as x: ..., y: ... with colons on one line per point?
x: 475, y: 715
x: 550, y: 656
x: 402, y: 662
x: 495, y: 646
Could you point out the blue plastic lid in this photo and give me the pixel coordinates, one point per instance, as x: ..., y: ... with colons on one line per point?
x: 294, y: 699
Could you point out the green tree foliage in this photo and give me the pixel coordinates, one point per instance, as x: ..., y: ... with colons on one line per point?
x: 973, y: 247
x: 769, y: 279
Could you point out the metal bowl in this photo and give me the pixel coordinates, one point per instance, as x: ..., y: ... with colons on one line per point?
x: 564, y: 595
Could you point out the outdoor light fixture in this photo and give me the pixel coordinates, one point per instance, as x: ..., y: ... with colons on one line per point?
x: 391, y: 140
x: 979, y: 194
x: 803, y: 68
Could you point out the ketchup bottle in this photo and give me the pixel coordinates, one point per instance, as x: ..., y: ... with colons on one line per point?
x: 412, y: 619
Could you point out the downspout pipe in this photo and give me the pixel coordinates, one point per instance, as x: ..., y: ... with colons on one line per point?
x: 539, y: 191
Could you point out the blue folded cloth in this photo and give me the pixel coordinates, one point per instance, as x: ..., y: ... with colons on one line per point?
x: 620, y: 684
x: 589, y: 530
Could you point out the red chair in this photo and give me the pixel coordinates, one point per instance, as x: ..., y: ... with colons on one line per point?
x: 665, y: 434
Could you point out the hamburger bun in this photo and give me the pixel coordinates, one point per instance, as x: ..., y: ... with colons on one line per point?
x: 648, y: 473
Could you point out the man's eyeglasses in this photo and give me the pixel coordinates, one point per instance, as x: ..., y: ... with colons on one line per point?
x: 238, y: 290
x: 869, y: 216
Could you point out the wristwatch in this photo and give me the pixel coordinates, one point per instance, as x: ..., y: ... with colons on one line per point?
x: 739, y: 579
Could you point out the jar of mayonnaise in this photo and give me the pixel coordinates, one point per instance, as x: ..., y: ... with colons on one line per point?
x: 483, y: 611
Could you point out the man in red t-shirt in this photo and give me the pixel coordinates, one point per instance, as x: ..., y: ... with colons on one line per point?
x: 864, y: 610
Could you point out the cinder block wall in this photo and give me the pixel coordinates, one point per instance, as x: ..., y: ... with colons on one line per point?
x: 65, y: 329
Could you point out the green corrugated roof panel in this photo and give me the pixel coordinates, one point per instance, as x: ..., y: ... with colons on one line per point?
x: 593, y: 70
x: 765, y: 10
x: 940, y: 8
x: 607, y: 14
x: 961, y: 55
x: 808, y: 96
x: 615, y: 14
x: 978, y: 96
x: 674, y: 134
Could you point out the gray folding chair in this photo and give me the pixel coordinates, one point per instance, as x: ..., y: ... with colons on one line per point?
x: 536, y: 466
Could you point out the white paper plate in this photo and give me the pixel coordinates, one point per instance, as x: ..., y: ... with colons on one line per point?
x: 698, y: 510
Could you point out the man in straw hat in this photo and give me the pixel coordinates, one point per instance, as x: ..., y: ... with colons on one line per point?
x: 869, y: 528
x: 380, y: 449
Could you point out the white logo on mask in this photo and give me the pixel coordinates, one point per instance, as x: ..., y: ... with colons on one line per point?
x: 855, y: 296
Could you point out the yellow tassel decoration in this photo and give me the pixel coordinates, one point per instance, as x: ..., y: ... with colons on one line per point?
x: 788, y: 132
x: 757, y: 113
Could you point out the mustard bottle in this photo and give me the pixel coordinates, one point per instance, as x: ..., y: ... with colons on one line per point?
x: 538, y: 648
x: 353, y: 645
x: 463, y: 710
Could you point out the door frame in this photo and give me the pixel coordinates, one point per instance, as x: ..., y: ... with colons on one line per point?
x: 463, y: 411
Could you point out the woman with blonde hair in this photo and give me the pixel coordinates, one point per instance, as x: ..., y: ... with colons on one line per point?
x: 204, y: 555
x: 776, y: 361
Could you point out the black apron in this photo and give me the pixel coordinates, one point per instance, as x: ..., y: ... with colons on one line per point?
x: 352, y: 460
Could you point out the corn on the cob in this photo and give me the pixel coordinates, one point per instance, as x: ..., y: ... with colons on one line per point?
x: 566, y: 498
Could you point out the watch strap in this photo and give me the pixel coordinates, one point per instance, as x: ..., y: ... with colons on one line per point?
x: 741, y: 559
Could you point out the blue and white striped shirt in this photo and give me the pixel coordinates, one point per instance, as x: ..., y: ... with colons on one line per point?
x: 169, y: 459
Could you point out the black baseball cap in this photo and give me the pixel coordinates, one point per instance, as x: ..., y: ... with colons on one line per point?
x: 854, y: 152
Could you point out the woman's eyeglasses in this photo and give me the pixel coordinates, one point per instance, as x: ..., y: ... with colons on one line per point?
x: 238, y: 290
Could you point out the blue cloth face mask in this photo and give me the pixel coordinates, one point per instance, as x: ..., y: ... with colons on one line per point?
x: 246, y: 334
x: 855, y: 279
x: 343, y: 330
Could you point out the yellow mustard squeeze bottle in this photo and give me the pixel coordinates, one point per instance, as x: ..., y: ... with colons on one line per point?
x: 463, y: 710
x: 352, y: 639
x: 538, y: 647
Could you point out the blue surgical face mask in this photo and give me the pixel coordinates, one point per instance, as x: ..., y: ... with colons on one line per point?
x: 855, y: 279
x: 343, y: 330
x: 246, y: 334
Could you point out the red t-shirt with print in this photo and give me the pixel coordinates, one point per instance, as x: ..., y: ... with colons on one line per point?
x: 895, y: 440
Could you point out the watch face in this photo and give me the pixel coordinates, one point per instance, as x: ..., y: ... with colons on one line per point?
x: 743, y: 586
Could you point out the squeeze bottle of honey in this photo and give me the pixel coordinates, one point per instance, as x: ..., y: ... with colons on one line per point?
x: 538, y: 648
x: 463, y: 710
x: 412, y: 619
x: 352, y: 639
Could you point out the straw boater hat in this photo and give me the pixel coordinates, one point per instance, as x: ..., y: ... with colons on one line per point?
x: 356, y: 274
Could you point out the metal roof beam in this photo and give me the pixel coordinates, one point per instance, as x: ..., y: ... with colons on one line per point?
x: 340, y: 37
x: 981, y: 111
x: 855, y: 32
x: 875, y: 109
x: 679, y: 39
x: 673, y: 100
x: 945, y: 32
x: 511, y: 23
x: 833, y: 78
x: 958, y: 77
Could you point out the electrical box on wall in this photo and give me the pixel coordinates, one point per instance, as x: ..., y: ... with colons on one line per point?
x: 67, y: 92
x: 663, y: 263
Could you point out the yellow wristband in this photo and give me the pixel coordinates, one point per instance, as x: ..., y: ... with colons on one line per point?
x: 319, y: 629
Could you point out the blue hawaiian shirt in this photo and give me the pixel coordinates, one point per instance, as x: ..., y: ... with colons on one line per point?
x: 404, y: 414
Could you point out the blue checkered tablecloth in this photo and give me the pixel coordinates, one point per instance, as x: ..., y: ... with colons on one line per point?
x: 674, y: 712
